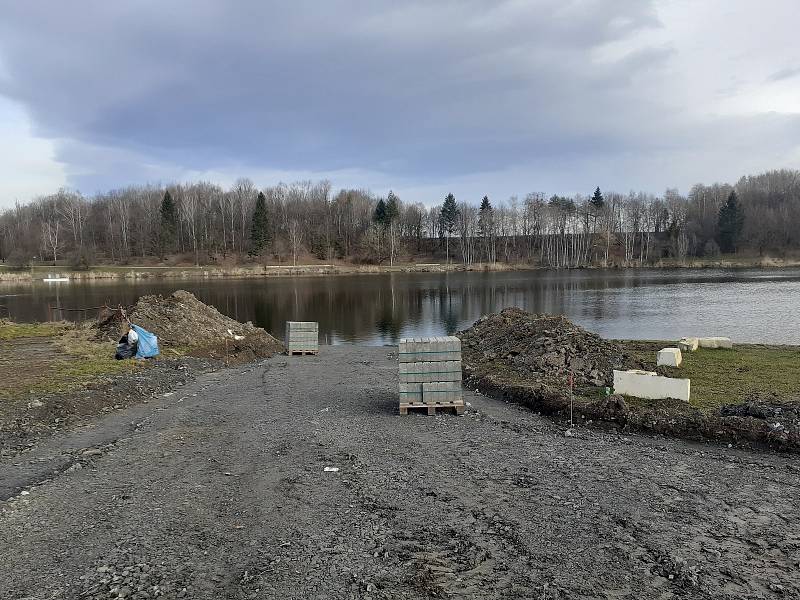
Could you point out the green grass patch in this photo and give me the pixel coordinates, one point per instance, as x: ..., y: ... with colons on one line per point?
x: 13, y: 331
x: 54, y: 358
x: 722, y: 377
x: 88, y: 360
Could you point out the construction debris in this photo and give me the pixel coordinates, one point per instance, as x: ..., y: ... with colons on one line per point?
x: 182, y: 321
x: 546, y: 348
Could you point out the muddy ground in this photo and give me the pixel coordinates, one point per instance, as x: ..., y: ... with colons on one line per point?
x: 220, y: 491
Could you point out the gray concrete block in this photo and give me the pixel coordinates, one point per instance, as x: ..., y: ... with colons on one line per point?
x: 432, y: 349
x: 410, y: 392
x: 302, y: 336
x: 442, y: 392
x: 302, y: 326
x: 426, y: 372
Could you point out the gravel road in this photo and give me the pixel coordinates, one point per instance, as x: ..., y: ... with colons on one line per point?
x: 220, y: 491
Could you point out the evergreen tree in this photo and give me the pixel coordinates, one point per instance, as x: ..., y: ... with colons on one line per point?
x: 730, y: 223
x: 597, y: 199
x: 168, y: 225
x: 379, y: 216
x: 486, y: 227
x: 392, y: 208
x: 259, y: 230
x: 485, y: 216
x: 448, y: 217
x: 597, y: 202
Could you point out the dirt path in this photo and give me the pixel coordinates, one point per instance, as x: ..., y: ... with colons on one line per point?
x: 219, y: 491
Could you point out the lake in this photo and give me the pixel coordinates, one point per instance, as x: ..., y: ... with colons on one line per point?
x: 746, y: 305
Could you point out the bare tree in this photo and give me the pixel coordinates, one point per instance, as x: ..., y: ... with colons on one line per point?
x: 50, y: 235
x: 295, y: 234
x: 188, y: 211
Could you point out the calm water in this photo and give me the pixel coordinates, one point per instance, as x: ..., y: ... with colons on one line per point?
x: 754, y: 306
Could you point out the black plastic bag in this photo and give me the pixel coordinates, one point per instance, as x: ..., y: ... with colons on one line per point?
x: 124, y: 349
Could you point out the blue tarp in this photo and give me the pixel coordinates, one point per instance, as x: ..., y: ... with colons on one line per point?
x: 148, y: 343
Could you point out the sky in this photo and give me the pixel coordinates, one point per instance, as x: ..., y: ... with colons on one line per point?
x: 472, y: 97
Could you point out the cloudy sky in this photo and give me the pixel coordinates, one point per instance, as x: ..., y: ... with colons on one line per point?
x: 470, y: 96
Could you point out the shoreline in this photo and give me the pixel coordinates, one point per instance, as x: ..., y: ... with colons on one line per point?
x: 136, y: 272
x: 97, y: 388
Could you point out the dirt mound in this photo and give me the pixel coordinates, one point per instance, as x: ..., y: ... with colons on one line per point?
x: 545, y: 348
x: 181, y: 320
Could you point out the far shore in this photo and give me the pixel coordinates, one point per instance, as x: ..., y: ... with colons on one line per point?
x: 105, y: 272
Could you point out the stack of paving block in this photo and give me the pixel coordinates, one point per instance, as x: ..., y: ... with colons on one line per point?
x: 430, y: 374
x: 302, y: 337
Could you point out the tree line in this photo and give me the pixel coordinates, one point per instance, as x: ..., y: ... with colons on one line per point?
x: 206, y: 224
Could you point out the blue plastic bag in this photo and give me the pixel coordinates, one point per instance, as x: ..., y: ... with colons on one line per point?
x: 148, y: 343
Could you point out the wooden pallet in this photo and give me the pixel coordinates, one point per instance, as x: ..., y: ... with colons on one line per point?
x: 302, y: 352
x: 431, y: 408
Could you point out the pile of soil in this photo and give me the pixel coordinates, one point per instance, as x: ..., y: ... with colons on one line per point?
x: 527, y: 358
x: 545, y: 348
x: 181, y: 320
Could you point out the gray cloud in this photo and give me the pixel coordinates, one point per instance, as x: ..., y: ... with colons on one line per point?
x: 786, y: 73
x: 419, y: 91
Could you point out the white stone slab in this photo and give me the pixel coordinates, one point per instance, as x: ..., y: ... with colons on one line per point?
x: 669, y: 357
x: 646, y: 384
x: 688, y: 344
x: 715, y: 342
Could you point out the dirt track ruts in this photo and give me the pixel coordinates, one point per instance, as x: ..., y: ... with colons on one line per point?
x: 219, y: 491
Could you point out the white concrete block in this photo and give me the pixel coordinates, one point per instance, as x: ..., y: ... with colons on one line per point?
x: 646, y: 384
x: 669, y: 357
x: 688, y: 344
x: 715, y: 342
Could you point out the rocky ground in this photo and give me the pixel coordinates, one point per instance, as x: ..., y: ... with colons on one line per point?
x: 296, y: 478
x: 546, y: 348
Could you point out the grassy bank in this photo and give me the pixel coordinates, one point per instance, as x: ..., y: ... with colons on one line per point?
x: 50, y: 358
x: 38, y: 272
x: 12, y: 331
x: 721, y: 377
x: 749, y: 395
x: 237, y: 272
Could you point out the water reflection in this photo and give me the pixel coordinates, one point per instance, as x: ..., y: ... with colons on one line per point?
x: 380, y: 309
